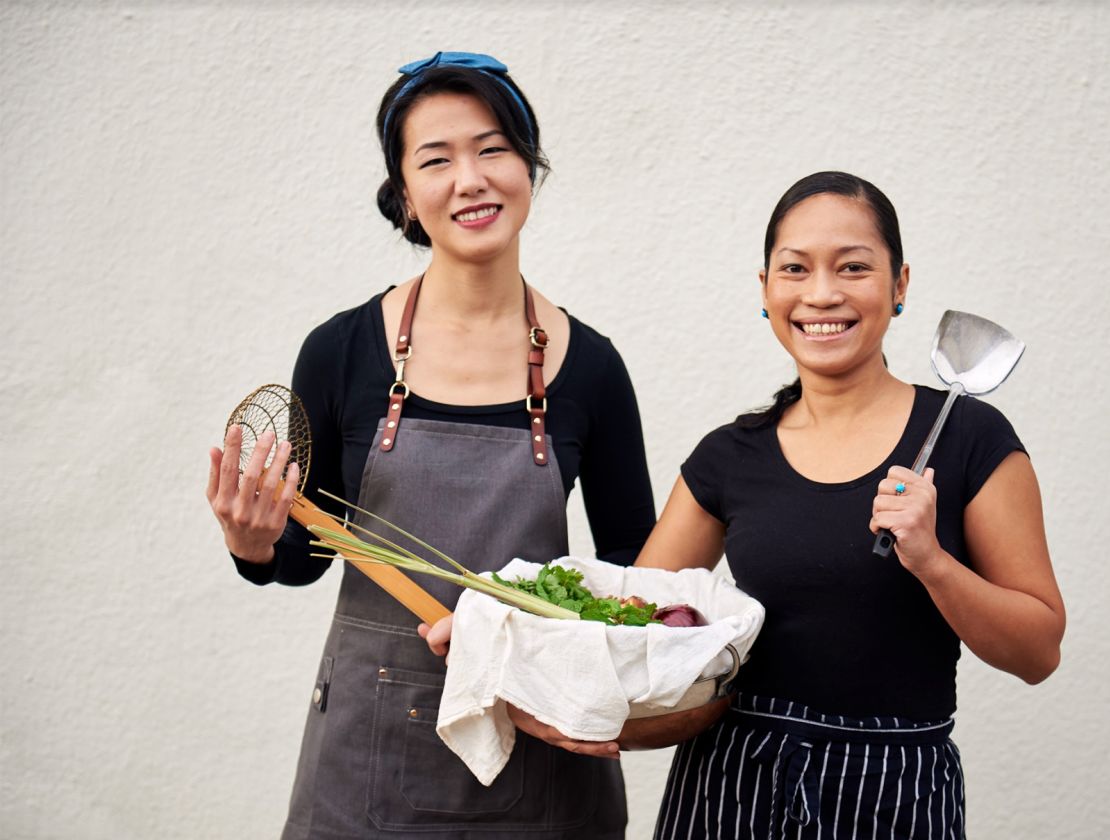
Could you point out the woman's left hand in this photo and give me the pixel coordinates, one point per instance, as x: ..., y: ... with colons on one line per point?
x: 911, y: 515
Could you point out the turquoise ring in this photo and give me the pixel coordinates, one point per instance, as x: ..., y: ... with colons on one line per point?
x: 899, y: 489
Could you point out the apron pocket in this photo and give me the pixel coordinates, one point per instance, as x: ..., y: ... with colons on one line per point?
x: 414, y: 778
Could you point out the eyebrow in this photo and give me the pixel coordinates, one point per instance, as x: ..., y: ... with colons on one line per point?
x: 439, y: 144
x: 846, y: 249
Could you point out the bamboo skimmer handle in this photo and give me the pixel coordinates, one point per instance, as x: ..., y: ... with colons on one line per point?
x: 392, y: 580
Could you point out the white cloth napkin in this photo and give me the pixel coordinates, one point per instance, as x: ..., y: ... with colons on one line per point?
x: 581, y: 676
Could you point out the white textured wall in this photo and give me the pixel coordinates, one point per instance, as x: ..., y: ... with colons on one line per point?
x: 187, y: 189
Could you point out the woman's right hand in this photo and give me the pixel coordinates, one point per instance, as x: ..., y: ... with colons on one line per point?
x: 250, y: 510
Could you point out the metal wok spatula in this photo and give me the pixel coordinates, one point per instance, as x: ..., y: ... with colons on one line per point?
x: 971, y: 355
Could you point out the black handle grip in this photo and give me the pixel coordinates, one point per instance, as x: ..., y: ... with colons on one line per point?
x: 884, y: 543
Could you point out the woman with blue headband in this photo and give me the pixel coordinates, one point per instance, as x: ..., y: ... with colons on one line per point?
x: 462, y: 406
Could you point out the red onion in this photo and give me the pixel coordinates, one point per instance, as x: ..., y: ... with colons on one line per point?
x: 680, y: 615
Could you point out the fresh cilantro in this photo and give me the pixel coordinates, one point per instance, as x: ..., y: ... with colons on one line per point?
x: 564, y: 587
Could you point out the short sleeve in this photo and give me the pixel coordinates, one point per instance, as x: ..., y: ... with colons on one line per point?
x: 987, y: 439
x: 704, y: 472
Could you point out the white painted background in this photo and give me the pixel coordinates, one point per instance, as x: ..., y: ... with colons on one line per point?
x: 188, y: 189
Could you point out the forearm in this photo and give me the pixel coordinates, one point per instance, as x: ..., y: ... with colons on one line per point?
x: 1006, y: 628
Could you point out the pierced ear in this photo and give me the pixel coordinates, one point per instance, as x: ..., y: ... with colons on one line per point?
x: 903, y: 283
x: 408, y: 204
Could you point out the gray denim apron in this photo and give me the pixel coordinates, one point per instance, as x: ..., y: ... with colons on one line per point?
x: 371, y: 764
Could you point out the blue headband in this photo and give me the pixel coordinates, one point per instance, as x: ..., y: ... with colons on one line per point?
x: 485, y: 64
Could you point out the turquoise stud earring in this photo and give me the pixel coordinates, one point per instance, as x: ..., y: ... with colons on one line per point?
x: 898, y: 309
x: 763, y: 312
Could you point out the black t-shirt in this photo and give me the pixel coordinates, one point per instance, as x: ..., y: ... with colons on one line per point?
x: 343, y: 375
x: 846, y: 632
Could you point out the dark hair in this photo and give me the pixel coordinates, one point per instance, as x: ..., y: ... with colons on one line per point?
x: 849, y: 186
x: 519, y: 126
x: 886, y: 220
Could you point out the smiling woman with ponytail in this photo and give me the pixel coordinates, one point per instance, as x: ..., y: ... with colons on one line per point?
x: 463, y: 406
x: 840, y: 727
x: 841, y: 721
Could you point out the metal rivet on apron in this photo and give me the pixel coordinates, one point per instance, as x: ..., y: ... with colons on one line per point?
x: 383, y: 672
x: 536, y: 420
x: 391, y: 424
x: 413, y: 713
x: 538, y: 438
x: 539, y: 456
x: 317, y: 695
x: 386, y: 441
x: 395, y: 406
x: 403, y: 338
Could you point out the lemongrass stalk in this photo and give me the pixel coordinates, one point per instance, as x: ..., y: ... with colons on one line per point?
x: 379, y: 538
x: 355, y: 550
x: 361, y: 545
x: 399, y: 530
x: 525, y: 600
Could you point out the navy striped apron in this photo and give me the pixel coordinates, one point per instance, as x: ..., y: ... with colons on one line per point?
x: 772, y: 769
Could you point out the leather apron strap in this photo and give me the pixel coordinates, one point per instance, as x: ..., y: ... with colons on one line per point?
x: 399, y: 391
x: 535, y: 403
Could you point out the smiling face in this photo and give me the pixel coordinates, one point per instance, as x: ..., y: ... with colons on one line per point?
x: 464, y: 182
x: 828, y: 288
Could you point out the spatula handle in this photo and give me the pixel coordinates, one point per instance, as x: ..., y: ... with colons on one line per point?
x: 884, y: 540
x: 884, y: 543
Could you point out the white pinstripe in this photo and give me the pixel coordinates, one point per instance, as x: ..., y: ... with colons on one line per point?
x: 932, y: 790
x: 898, y: 799
x: 739, y: 804
x: 676, y: 796
x: 755, y: 799
x: 821, y: 787
x: 724, y: 781
x: 859, y: 793
x: 801, y: 784
x: 944, y: 793
x: 840, y: 790
x: 879, y: 797
x: 708, y: 777
x: 697, y: 795
x: 916, y: 793
x: 775, y: 781
x: 963, y: 816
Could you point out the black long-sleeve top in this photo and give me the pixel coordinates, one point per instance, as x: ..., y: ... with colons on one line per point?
x: 343, y: 375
